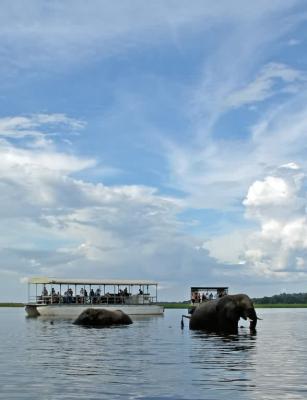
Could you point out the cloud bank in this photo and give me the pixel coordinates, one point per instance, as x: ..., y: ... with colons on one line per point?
x: 82, y: 228
x: 145, y: 140
x: 278, y: 204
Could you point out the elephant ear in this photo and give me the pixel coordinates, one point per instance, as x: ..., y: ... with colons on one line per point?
x: 229, y: 309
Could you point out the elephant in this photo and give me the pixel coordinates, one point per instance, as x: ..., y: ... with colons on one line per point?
x: 222, y: 315
x: 102, y: 318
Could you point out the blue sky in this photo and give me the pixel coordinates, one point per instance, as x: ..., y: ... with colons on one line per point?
x: 157, y: 140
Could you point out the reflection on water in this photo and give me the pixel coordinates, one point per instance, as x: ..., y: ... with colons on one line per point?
x: 225, y: 361
x: 152, y: 359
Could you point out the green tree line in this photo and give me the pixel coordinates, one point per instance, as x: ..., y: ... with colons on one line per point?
x: 283, y: 298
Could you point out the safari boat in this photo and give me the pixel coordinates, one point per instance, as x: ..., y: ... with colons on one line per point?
x: 200, y: 294
x: 67, y: 298
x: 205, y: 293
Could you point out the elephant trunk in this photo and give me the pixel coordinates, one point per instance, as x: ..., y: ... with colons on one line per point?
x: 252, y: 325
x: 252, y: 316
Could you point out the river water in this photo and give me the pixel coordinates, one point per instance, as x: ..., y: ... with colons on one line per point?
x: 152, y: 359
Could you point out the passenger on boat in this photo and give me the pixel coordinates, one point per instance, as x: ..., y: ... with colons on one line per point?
x: 92, y: 294
x: 221, y: 293
x: 71, y: 295
x: 86, y: 299
x: 54, y: 296
x: 45, y: 291
x: 68, y: 296
x: 80, y: 297
x: 95, y: 296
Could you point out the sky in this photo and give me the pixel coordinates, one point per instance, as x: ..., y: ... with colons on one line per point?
x: 162, y: 140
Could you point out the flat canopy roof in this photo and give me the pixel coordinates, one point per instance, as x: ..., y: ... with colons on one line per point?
x: 193, y: 288
x: 71, y: 281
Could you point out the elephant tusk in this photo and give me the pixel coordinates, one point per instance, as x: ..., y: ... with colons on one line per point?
x: 249, y: 319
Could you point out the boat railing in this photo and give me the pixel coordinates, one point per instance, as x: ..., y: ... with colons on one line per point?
x: 90, y: 300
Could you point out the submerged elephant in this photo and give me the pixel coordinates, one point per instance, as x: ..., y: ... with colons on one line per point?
x: 102, y: 318
x: 222, y: 315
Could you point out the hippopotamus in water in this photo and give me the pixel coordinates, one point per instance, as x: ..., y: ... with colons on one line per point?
x: 102, y: 318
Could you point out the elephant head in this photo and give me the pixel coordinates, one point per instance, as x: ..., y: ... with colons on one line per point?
x: 233, y: 307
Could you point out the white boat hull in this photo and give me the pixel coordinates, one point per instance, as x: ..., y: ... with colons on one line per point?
x: 73, y: 311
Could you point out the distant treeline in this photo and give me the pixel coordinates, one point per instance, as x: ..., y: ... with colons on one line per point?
x: 283, y: 298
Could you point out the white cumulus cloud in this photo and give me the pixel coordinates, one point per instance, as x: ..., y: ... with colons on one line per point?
x: 278, y: 205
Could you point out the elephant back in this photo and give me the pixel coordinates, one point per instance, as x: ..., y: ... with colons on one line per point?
x: 204, y: 316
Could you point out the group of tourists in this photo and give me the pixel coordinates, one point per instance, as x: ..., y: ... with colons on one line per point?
x: 94, y: 296
x: 199, y: 297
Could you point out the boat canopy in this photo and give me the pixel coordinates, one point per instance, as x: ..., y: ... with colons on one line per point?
x: 71, y: 281
x: 209, y: 288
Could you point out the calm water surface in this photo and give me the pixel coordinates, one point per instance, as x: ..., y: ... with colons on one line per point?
x: 152, y: 359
